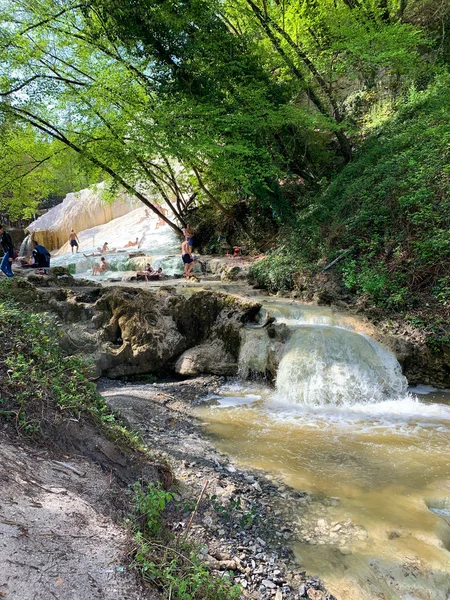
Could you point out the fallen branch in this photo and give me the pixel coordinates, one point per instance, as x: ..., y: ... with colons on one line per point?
x: 337, y: 259
x: 202, y: 493
x: 67, y: 466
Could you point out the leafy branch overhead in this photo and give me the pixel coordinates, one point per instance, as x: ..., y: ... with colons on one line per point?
x: 220, y: 102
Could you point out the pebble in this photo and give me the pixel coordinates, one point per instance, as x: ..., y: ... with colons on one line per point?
x: 268, y: 584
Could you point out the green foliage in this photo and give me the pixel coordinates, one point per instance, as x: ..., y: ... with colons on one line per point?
x: 38, y: 378
x: 171, y: 564
x: 149, y: 503
x: 390, y: 206
x: 276, y: 271
x: 33, y: 168
x: 222, y: 99
x: 441, y: 290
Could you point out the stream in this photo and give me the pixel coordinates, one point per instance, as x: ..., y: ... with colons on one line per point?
x: 321, y: 407
x: 340, y: 423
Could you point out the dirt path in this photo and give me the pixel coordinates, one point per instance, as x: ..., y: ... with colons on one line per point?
x: 58, y: 538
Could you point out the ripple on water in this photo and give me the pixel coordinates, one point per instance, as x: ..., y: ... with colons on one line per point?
x: 381, y: 459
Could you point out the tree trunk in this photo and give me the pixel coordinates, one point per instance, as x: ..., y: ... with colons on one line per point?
x: 213, y: 199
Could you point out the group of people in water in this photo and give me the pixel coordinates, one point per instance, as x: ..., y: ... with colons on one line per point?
x: 41, y: 256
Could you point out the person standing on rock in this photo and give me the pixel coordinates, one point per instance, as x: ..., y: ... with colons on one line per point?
x: 186, y: 257
x: 74, y: 241
x: 8, y: 247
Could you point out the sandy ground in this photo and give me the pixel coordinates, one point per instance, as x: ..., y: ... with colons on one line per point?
x: 57, y: 535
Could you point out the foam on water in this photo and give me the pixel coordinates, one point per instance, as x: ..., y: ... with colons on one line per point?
x: 399, y: 417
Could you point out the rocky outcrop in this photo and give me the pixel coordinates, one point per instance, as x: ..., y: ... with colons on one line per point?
x: 210, y: 357
x: 122, y: 331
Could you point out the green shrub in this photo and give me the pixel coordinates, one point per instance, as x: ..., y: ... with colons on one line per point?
x: 168, y: 563
x: 37, y: 376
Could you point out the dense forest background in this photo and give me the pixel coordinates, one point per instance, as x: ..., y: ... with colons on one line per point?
x: 308, y: 129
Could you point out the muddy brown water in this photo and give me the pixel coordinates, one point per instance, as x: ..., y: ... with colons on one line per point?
x: 388, y: 465
x: 375, y: 457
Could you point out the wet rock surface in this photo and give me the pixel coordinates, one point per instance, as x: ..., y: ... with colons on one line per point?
x: 122, y: 331
x: 243, y: 525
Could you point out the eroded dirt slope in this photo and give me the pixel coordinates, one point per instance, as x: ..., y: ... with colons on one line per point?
x: 58, y: 538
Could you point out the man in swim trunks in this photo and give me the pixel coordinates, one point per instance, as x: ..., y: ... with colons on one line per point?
x: 186, y: 257
x: 74, y: 241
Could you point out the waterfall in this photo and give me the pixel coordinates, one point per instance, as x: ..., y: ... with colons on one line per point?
x: 158, y: 245
x: 79, y: 211
x: 26, y: 246
x: 320, y: 364
x: 331, y: 365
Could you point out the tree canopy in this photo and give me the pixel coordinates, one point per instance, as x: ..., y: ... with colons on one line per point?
x: 199, y: 102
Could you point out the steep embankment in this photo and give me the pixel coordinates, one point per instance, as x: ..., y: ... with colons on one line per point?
x: 386, y: 217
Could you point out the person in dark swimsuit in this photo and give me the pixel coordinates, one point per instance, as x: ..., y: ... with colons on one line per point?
x: 149, y: 270
x: 74, y: 241
x: 186, y: 257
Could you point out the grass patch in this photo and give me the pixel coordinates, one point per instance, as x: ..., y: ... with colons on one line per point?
x: 38, y: 378
x: 171, y: 563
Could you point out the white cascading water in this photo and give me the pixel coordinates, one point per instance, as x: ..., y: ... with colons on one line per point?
x: 331, y: 365
x: 158, y: 244
x: 26, y: 247
x: 322, y: 362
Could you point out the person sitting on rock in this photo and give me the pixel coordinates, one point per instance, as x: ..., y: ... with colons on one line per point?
x: 158, y: 274
x: 41, y: 255
x: 105, y: 248
x: 41, y: 258
x: 100, y: 251
x: 149, y: 270
x: 101, y: 268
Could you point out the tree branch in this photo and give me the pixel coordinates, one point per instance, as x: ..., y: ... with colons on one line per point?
x: 51, y: 130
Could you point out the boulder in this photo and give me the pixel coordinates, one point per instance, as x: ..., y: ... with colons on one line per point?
x: 230, y: 273
x: 210, y: 357
x: 122, y: 331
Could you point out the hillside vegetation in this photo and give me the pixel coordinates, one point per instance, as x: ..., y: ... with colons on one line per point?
x: 389, y: 208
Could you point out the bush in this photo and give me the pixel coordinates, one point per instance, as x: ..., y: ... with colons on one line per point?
x: 37, y: 378
x: 390, y: 206
x: 171, y: 564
